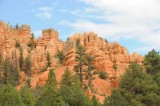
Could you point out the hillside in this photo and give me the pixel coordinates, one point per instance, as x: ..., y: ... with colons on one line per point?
x: 106, y: 56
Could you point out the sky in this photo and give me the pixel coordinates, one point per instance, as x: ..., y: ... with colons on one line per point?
x: 135, y: 24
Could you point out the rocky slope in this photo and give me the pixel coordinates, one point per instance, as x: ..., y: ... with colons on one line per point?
x: 106, y: 54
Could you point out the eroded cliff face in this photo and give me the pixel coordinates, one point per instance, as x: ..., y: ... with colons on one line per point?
x: 106, y: 54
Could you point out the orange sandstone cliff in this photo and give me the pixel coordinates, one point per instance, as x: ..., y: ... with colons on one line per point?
x: 106, y: 54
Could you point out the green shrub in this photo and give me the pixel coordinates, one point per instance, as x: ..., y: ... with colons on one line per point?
x: 44, y: 68
x: 95, y: 72
x: 103, y: 75
x: 61, y: 56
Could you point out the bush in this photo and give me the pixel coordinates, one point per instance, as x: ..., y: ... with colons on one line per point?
x: 103, y: 75
x: 44, y: 68
x: 95, y: 72
x: 61, y: 56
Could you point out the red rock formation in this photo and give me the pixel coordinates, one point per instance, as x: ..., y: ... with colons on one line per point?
x: 106, y: 54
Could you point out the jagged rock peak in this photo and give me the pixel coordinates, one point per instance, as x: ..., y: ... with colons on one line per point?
x: 7, y: 30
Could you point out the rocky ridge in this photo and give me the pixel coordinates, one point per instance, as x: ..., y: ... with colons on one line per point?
x: 106, y: 54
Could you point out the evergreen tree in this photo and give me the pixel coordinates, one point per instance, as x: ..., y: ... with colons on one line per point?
x: 10, y: 74
x: 27, y: 68
x: 9, y: 96
x: 16, y: 76
x: 1, y: 70
x: 95, y: 102
x: 27, y: 97
x: 66, y: 87
x: 21, y: 61
x: 138, y: 88
x: 67, y: 94
x: 73, y: 94
x: 67, y: 78
x: 50, y: 97
x: 37, y: 92
x: 32, y: 43
x: 116, y: 99
x: 152, y: 62
x: 61, y: 56
x: 90, y: 67
x: 152, y: 65
x: 48, y: 59
x: 103, y: 75
x: 80, y: 59
x: 52, y: 78
x: 115, y: 66
x: 17, y: 26
x: 79, y: 98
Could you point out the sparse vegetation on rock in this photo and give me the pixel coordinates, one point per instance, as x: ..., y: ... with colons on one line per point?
x: 61, y: 56
x: 95, y: 66
x: 103, y: 75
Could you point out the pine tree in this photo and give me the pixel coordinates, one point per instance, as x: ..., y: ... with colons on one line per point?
x: 95, y: 102
x: 103, y: 75
x: 67, y: 78
x: 9, y: 96
x: 152, y: 62
x: 48, y: 59
x: 27, y: 68
x: 115, y: 66
x: 32, y: 43
x: 66, y: 86
x: 116, y: 99
x: 27, y: 97
x: 10, y: 75
x: 16, y: 76
x: 17, y: 26
x: 90, y: 67
x: 52, y: 78
x: 79, y: 98
x: 50, y: 97
x: 1, y: 70
x: 152, y: 65
x: 74, y: 95
x: 80, y: 59
x: 138, y: 88
x: 15, y: 68
x: 21, y: 61
x: 61, y: 56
